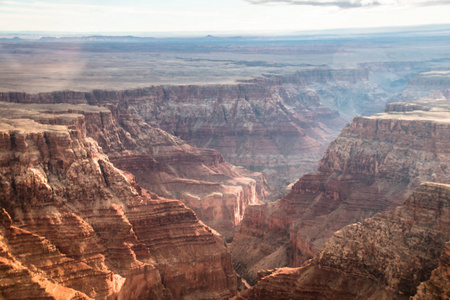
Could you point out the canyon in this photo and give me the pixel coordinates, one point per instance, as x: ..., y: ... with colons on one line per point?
x: 73, y: 226
x: 141, y: 168
x: 373, y: 166
x: 217, y: 191
x: 276, y: 125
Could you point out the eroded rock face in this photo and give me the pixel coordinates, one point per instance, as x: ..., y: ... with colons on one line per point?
x: 438, y: 286
x: 74, y: 226
x: 372, y: 166
x: 217, y: 191
x: 277, y: 125
x: 275, y: 129
x: 384, y: 257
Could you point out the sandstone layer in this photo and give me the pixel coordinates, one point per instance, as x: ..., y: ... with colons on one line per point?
x: 274, y: 125
x: 384, y: 257
x: 372, y: 166
x: 73, y: 226
x: 217, y: 191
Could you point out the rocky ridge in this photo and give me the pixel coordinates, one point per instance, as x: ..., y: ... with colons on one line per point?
x: 384, y: 257
x: 371, y: 167
x: 73, y: 226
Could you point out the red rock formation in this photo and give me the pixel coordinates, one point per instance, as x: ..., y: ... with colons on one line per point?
x: 276, y: 125
x: 384, y: 257
x: 278, y: 130
x: 217, y: 191
x: 20, y: 276
x: 79, y: 227
x: 372, y: 166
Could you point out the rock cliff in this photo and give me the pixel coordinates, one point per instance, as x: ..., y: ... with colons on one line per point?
x: 372, y: 166
x: 217, y: 191
x: 279, y: 131
x: 384, y: 257
x: 277, y: 125
x: 73, y: 226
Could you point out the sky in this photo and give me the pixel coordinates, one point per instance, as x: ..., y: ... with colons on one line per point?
x: 115, y: 16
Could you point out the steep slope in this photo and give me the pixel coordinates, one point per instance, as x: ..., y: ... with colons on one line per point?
x: 438, y: 286
x: 75, y: 226
x: 277, y: 125
x: 217, y: 191
x: 372, y: 166
x: 384, y: 257
x: 279, y: 129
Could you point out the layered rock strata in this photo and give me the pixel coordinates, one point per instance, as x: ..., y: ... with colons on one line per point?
x: 217, y: 191
x: 384, y: 257
x: 372, y: 166
x: 279, y: 130
x: 75, y: 227
x: 274, y: 125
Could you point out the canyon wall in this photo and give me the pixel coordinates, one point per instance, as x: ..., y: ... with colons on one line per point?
x: 277, y: 125
x: 427, y: 85
x: 274, y: 125
x: 371, y: 167
x: 217, y: 191
x: 384, y: 257
x: 73, y: 226
x: 270, y: 128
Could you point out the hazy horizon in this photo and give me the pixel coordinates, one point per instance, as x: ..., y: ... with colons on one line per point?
x: 178, y: 16
x: 242, y: 33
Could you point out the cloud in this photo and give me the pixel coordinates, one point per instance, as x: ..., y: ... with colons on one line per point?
x: 353, y: 3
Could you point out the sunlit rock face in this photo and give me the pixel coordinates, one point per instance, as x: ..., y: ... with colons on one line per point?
x: 278, y: 129
x: 383, y: 257
x: 73, y: 226
x: 217, y: 191
x: 371, y: 167
x: 277, y: 125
